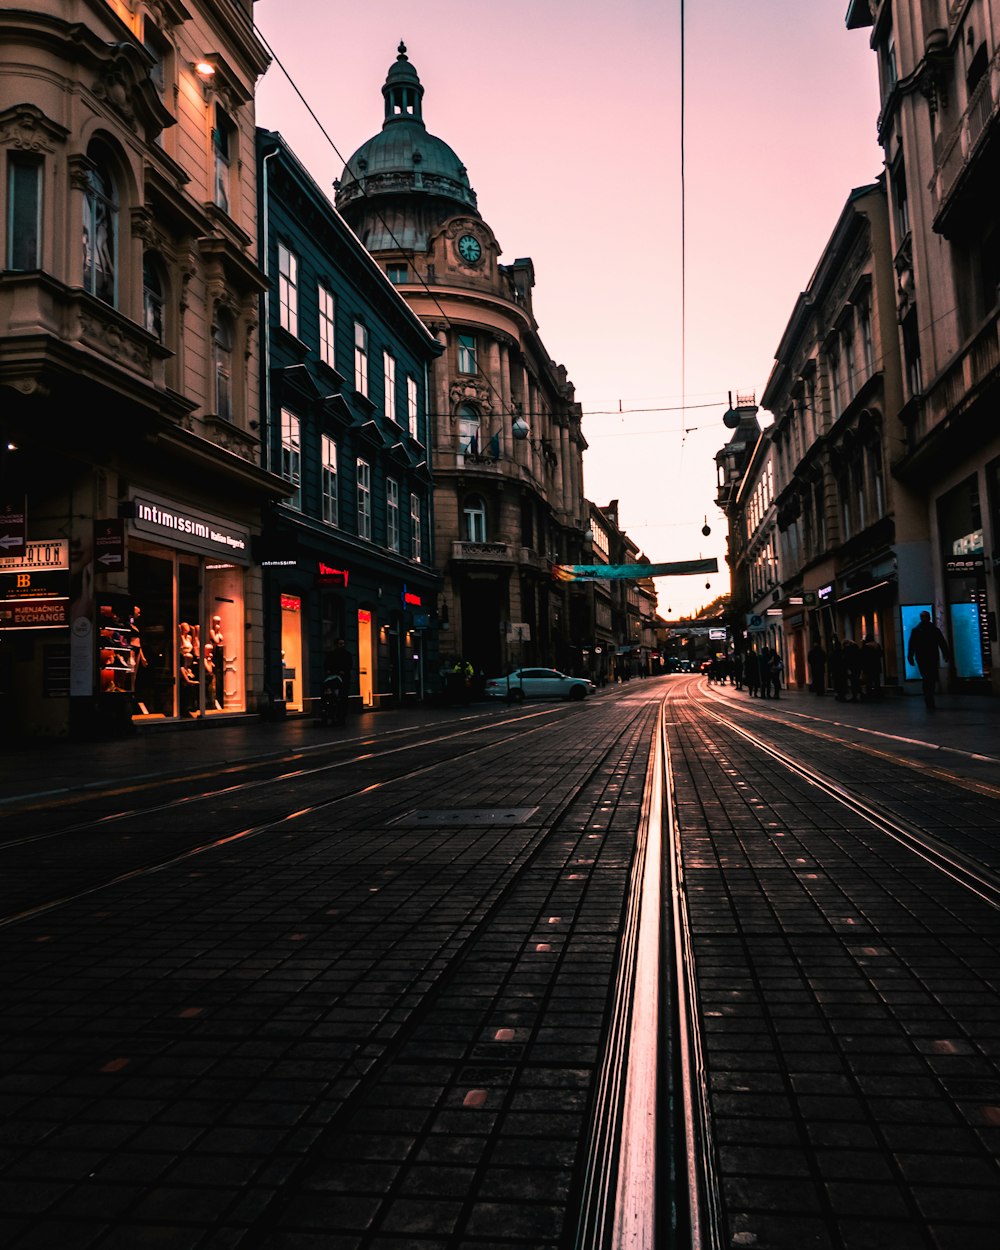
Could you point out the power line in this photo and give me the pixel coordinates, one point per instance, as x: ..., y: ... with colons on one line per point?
x: 505, y: 409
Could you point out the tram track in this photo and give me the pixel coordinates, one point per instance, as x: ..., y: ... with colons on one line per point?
x: 965, y: 870
x: 743, y: 897
x: 236, y: 793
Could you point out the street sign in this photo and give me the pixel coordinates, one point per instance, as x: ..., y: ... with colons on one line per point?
x: 755, y: 623
x: 109, y: 544
x: 13, y: 525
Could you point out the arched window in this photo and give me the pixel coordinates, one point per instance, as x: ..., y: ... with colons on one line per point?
x: 468, y: 429
x: 475, y: 519
x: 222, y: 355
x: 100, y: 234
x: 153, y: 295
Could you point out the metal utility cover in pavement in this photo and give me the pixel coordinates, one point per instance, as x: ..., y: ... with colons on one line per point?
x: 466, y: 816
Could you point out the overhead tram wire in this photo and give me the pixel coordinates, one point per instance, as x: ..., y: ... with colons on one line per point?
x: 506, y: 409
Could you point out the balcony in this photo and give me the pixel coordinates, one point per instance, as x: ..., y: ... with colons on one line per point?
x: 953, y: 392
x: 481, y: 553
x: 958, y: 151
x: 49, y: 327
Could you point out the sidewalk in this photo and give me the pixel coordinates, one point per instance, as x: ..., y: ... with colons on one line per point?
x: 64, y: 764
x: 969, y: 724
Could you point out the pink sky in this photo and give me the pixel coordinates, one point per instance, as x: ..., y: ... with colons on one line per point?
x: 568, y: 119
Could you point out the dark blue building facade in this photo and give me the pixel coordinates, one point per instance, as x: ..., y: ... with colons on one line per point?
x: 350, y: 553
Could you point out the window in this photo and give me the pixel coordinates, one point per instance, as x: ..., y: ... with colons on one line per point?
x: 24, y: 212
x: 911, y: 353
x: 364, y: 500
x: 360, y: 358
x: 475, y: 519
x: 819, y: 501
x: 291, y: 455
x: 389, y: 375
x: 392, y: 514
x: 288, y: 290
x: 223, y: 150
x: 878, y: 478
x: 327, y: 327
x: 222, y: 359
x: 416, y: 531
x: 100, y: 236
x: 152, y: 295
x: 411, y: 406
x: 467, y: 353
x: 901, y: 200
x: 849, y: 362
x: 331, y: 503
x: 836, y: 396
x: 398, y: 274
x: 468, y: 430
x: 867, y: 345
x: 158, y: 48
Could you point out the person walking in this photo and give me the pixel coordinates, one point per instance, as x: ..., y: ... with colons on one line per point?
x: 751, y: 672
x: 738, y: 661
x: 871, y: 667
x: 817, y: 668
x: 852, y: 666
x: 926, y: 641
x: 838, y: 670
x: 775, y: 670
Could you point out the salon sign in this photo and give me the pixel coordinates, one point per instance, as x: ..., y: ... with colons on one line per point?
x: 178, y: 525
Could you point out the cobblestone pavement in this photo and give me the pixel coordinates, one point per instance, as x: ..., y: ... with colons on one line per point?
x: 848, y: 988
x: 375, y: 1024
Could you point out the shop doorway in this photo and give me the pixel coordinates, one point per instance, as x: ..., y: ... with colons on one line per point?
x: 365, y: 658
x: 291, y: 652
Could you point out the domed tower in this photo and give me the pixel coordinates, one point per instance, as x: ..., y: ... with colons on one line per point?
x: 507, y: 450
x: 402, y: 183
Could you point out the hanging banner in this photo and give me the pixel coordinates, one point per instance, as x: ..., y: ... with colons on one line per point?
x: 630, y: 572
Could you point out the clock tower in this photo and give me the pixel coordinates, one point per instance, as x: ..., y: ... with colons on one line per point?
x: 507, y: 450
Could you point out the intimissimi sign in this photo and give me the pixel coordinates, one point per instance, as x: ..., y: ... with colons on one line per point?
x: 177, y: 525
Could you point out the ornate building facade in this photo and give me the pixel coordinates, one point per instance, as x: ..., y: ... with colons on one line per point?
x: 507, y: 438
x: 939, y: 126
x: 131, y: 474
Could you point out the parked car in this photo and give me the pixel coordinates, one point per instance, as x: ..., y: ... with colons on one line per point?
x: 538, y: 683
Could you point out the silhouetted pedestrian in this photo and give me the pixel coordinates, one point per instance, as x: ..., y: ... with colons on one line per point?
x: 751, y: 671
x: 838, y: 670
x: 871, y: 667
x: 926, y: 641
x: 817, y: 668
x: 852, y: 665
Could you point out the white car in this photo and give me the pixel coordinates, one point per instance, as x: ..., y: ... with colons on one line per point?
x: 538, y: 683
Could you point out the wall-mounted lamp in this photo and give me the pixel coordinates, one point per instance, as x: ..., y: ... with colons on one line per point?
x: 520, y: 430
x: 205, y: 71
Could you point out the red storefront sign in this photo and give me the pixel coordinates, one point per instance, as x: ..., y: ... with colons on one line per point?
x: 34, y: 614
x: 327, y: 575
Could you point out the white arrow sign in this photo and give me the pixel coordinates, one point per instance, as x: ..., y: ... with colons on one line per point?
x: 11, y: 540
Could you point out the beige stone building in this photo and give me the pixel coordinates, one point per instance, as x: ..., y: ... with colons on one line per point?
x: 852, y: 541
x: 507, y: 443
x: 939, y: 124
x: 131, y: 482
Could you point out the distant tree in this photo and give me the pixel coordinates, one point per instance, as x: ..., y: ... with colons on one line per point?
x: 718, y: 607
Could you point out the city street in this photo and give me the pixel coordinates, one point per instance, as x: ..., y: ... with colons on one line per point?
x: 395, y: 985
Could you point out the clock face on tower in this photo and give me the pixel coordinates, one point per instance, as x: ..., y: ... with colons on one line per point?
x: 469, y: 248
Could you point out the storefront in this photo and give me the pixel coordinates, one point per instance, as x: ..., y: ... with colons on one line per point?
x: 960, y: 527
x: 387, y: 623
x: 173, y: 644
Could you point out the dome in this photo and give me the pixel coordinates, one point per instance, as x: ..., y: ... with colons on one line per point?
x: 404, y: 157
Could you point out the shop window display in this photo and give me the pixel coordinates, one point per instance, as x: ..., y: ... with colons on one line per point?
x: 183, y: 625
